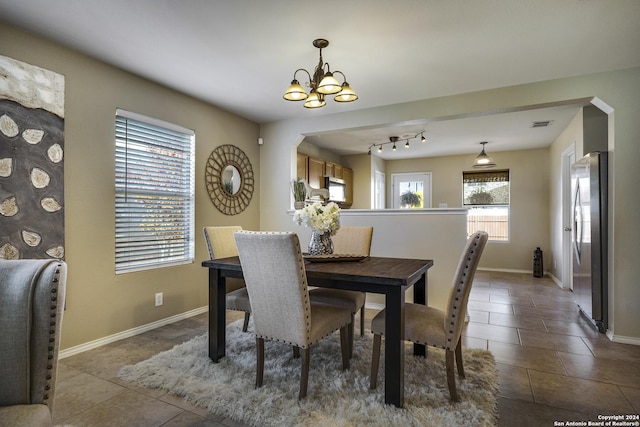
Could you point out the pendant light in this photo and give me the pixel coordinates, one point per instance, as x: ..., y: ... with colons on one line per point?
x: 483, y: 160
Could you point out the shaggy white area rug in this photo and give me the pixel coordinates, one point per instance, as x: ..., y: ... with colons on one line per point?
x: 335, y: 397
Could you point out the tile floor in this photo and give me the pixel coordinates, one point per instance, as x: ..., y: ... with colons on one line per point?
x: 553, y: 365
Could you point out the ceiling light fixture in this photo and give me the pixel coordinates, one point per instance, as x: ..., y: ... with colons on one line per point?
x: 394, y: 139
x: 483, y: 160
x: 320, y: 84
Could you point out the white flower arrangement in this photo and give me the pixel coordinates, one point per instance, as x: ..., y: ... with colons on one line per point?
x: 319, y: 218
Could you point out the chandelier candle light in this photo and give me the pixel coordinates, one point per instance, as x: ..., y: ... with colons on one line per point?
x: 324, y: 222
x: 321, y: 83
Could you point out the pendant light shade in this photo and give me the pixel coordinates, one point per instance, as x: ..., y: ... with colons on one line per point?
x: 295, y: 92
x: 483, y: 160
x: 329, y: 85
x: 315, y: 100
x: 346, y: 94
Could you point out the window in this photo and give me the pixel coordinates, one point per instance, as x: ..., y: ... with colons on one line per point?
x: 154, y: 193
x: 487, y: 196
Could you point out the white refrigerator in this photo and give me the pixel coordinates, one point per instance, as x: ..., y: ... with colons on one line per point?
x: 589, y: 237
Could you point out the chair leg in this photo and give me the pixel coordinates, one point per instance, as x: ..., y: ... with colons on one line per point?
x: 304, y: 373
x: 375, y: 361
x: 362, y: 321
x: 451, y: 377
x: 459, y: 359
x: 296, y: 352
x: 245, y: 325
x: 345, y: 347
x: 351, y: 327
x: 260, y: 361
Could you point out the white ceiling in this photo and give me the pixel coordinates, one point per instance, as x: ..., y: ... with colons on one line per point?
x: 241, y: 54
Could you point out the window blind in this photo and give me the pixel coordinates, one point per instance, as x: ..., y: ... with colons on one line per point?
x: 154, y: 193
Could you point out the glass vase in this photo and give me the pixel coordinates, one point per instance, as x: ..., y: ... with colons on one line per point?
x: 320, y: 244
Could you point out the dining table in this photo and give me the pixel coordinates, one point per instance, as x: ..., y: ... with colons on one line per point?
x: 388, y: 276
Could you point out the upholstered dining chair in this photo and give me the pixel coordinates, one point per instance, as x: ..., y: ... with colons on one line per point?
x: 274, y: 272
x: 32, y: 295
x: 221, y: 244
x: 354, y: 240
x: 434, y: 327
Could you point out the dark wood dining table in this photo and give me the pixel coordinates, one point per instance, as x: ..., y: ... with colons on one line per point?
x: 388, y: 276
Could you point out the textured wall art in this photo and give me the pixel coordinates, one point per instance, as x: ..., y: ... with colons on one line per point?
x: 31, y: 161
x: 229, y: 179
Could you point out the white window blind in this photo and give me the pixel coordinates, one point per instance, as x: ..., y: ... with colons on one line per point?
x: 154, y: 193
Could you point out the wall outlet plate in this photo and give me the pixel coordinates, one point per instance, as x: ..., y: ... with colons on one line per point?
x: 159, y: 299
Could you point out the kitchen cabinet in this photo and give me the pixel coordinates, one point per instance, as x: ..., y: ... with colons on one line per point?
x: 313, y: 170
x: 316, y: 172
x: 333, y: 170
x: 303, y: 166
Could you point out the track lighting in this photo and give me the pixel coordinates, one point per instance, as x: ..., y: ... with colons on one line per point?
x: 394, y: 139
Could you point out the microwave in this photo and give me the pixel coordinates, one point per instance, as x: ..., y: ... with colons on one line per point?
x: 336, y: 189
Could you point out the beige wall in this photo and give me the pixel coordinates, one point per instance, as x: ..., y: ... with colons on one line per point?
x: 619, y: 89
x: 99, y: 302
x: 529, y: 202
x: 362, y: 179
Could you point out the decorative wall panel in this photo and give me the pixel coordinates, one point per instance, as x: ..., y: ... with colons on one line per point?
x: 31, y: 161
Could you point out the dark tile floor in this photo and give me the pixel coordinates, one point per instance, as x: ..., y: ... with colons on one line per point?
x: 553, y: 365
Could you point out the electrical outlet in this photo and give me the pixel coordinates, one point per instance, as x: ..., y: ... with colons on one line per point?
x: 158, y: 299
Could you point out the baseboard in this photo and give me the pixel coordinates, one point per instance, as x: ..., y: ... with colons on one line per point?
x: 556, y: 281
x: 507, y: 270
x: 67, y: 352
x: 623, y: 339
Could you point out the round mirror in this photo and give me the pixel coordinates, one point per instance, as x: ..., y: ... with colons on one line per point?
x: 229, y: 179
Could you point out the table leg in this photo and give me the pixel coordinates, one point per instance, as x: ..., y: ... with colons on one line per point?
x: 420, y: 297
x: 217, y: 315
x: 394, y: 349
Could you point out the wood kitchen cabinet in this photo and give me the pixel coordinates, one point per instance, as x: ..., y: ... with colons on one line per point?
x: 316, y: 172
x: 303, y: 167
x: 333, y: 170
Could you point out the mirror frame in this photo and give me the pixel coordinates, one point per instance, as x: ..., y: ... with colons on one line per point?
x: 222, y: 157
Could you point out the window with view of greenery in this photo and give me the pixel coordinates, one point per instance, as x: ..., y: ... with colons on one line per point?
x: 154, y: 193
x: 486, y: 194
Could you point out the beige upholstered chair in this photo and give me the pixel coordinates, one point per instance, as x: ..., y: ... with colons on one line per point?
x: 221, y: 244
x: 355, y: 240
x: 32, y: 295
x: 274, y: 272
x: 430, y: 326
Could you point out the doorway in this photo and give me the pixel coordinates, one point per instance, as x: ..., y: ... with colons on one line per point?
x: 379, y: 194
x: 568, y: 158
x: 411, y: 190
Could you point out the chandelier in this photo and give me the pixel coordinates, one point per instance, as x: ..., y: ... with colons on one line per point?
x: 320, y: 84
x: 483, y: 160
